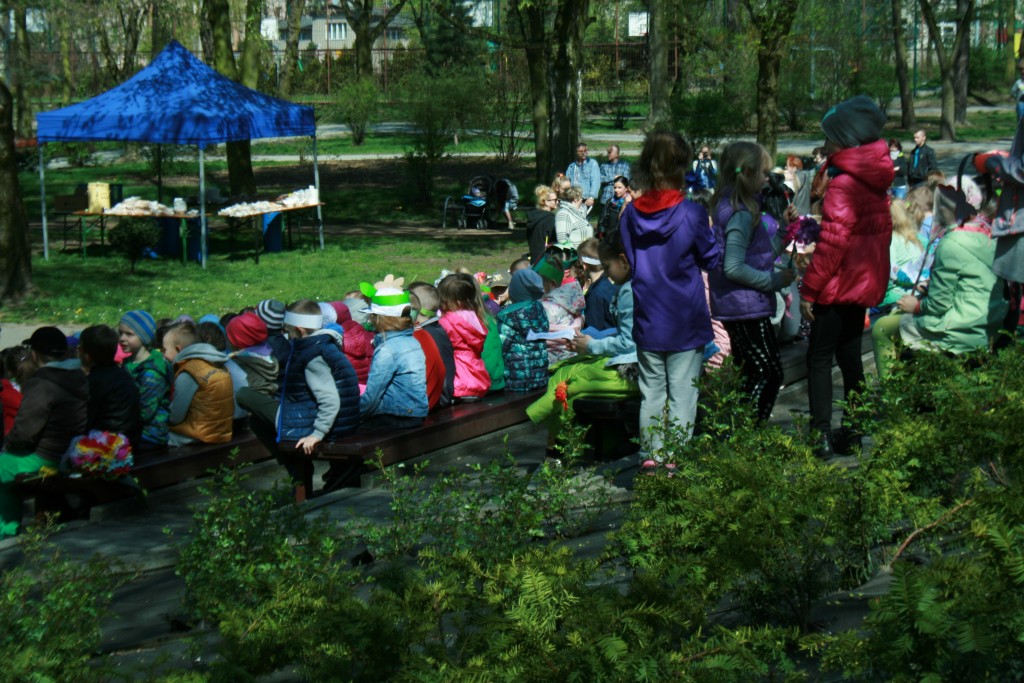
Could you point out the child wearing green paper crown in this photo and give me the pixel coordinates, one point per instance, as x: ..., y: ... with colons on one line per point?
x: 396, y: 389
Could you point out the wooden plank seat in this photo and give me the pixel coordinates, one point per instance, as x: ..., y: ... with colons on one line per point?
x: 152, y: 470
x: 445, y: 427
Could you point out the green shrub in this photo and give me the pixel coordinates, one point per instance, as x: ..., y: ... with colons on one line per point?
x: 438, y: 109
x: 51, y: 608
x: 707, y: 116
x: 133, y: 237
x: 76, y: 154
x: 750, y: 513
x: 357, y: 106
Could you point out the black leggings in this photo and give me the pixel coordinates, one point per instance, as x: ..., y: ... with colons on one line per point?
x: 756, y: 348
x: 836, y: 332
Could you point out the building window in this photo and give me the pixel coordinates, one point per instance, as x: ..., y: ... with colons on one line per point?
x: 394, y: 34
x: 337, y: 31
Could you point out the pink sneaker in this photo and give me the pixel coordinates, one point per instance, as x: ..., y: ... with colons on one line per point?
x: 648, y: 467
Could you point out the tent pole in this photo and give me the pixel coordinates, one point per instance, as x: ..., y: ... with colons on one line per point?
x: 202, y: 208
x: 42, y: 199
x: 159, y: 173
x: 316, y: 184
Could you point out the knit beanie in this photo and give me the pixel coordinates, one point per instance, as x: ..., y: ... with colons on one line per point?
x: 142, y: 324
x: 49, y: 341
x: 271, y: 311
x: 526, y: 285
x: 854, y: 122
x: 246, y: 330
x: 327, y: 311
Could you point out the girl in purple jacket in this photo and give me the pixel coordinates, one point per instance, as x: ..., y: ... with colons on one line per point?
x: 743, y: 287
x: 668, y: 241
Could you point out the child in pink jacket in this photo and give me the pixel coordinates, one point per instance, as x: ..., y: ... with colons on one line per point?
x: 463, y: 319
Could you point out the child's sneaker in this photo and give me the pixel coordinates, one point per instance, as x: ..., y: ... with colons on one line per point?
x: 648, y: 467
x: 670, y: 469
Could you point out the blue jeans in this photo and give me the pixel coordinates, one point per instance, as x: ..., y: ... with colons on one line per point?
x: 666, y: 379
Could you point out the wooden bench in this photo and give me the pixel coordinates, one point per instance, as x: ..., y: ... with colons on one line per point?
x: 446, y: 427
x: 152, y: 470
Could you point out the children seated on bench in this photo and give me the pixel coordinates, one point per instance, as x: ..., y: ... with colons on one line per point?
x: 604, y: 367
x: 271, y: 312
x: 114, y: 404
x: 204, y: 399
x: 427, y: 320
x: 357, y: 341
x: 597, y: 288
x: 54, y: 410
x: 152, y: 375
x: 247, y: 333
x: 16, y: 366
x: 435, y: 370
x: 396, y: 390
x: 564, y: 304
x: 319, y: 394
x: 463, y: 319
x: 526, y: 361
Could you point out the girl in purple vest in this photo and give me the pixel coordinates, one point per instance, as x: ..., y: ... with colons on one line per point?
x: 743, y: 287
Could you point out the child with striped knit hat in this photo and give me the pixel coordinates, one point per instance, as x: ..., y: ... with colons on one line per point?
x: 152, y: 374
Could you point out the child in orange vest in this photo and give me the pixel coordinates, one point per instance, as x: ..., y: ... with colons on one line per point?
x: 203, y: 400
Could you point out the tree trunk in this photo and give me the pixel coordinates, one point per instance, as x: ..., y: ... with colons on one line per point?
x: 291, y: 48
x: 960, y: 67
x: 359, y: 15
x: 160, y: 34
x: 15, y: 247
x: 241, y: 179
x: 658, y: 43
x: 565, y: 78
x: 364, y: 51
x: 537, y: 64
x: 527, y: 21
x: 67, y: 76
x: 774, y: 21
x: 947, y: 126
x: 768, y: 100
x: 907, y: 116
x: 22, y: 60
x: 249, y: 70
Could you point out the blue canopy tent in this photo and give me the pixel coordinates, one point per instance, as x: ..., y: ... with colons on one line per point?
x: 177, y: 100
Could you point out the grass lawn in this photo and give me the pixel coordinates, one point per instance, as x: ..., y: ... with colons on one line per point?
x: 80, y: 292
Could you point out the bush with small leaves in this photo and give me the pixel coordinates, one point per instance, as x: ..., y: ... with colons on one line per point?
x: 133, y: 237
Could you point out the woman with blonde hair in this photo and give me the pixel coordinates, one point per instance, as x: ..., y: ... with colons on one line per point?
x: 540, y: 221
x: 905, y: 253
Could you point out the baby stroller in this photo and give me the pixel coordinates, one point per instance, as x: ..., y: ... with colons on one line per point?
x: 470, y: 210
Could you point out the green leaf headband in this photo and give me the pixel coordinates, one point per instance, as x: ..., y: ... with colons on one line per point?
x: 548, y: 270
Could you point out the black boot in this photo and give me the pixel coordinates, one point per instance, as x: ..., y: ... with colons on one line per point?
x: 846, y: 442
x: 823, y: 446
